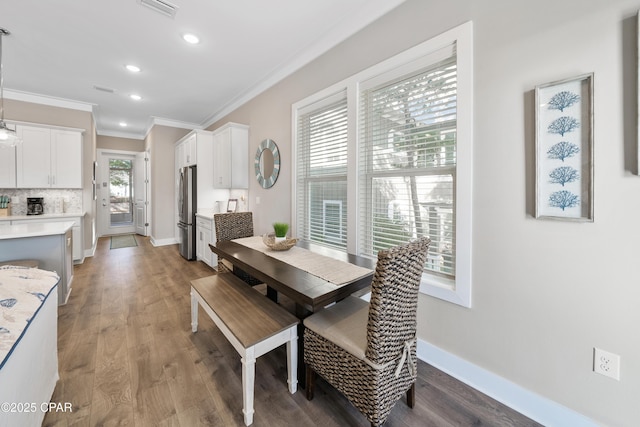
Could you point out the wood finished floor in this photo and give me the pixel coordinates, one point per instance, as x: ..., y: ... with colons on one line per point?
x: 127, y: 357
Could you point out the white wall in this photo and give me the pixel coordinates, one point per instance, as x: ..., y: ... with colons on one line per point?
x: 544, y: 292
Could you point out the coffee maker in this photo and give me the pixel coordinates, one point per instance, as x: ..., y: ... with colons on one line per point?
x: 35, y: 205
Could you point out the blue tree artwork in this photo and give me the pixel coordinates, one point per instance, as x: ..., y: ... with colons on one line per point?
x: 563, y: 199
x: 562, y: 100
x: 564, y: 175
x: 563, y: 150
x: 564, y: 124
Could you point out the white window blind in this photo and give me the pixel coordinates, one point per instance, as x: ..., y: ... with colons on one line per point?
x: 321, y: 172
x: 407, y: 163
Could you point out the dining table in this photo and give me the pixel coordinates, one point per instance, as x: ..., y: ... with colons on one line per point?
x: 310, y: 275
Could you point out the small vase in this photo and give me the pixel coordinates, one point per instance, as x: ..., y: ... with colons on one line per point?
x: 280, y: 239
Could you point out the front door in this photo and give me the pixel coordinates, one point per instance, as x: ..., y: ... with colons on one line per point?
x: 115, y: 196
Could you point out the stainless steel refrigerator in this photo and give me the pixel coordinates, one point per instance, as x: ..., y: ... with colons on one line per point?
x: 187, y: 206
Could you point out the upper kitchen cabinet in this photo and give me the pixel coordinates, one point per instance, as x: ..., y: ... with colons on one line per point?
x: 196, y: 149
x: 49, y: 158
x: 187, y: 149
x: 231, y: 156
x: 8, y: 167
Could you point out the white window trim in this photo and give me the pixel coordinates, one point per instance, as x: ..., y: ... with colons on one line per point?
x: 458, y: 291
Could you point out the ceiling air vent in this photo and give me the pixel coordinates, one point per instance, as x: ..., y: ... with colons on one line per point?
x: 161, y: 6
x: 104, y: 89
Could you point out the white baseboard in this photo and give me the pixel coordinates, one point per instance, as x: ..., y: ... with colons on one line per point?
x: 91, y: 251
x: 532, y: 405
x: 162, y: 242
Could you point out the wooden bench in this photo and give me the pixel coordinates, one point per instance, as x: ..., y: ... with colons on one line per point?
x: 252, y: 323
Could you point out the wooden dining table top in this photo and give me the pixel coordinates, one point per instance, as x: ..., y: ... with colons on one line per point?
x: 305, y: 289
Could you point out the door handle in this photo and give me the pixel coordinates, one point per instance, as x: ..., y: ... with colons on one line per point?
x: 104, y: 202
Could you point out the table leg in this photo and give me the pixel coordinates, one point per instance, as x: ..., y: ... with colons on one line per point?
x: 194, y: 311
x: 301, y: 313
x: 272, y: 294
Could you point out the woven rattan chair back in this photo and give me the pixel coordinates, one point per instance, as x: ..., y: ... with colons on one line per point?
x: 394, y: 300
x: 234, y: 225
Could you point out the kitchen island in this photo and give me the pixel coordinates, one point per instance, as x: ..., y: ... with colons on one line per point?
x: 76, y: 232
x: 51, y: 244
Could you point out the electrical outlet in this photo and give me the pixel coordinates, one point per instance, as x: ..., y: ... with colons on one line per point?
x: 607, y: 364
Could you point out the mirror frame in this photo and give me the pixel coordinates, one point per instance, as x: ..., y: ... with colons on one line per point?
x: 267, y: 181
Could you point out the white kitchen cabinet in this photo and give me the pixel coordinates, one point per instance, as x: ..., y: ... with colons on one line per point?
x: 200, y: 144
x: 8, y: 167
x: 187, y: 150
x: 204, y: 236
x: 66, y: 159
x: 48, y: 158
x: 231, y: 156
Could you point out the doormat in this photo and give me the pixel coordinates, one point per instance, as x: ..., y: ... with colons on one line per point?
x: 124, y: 241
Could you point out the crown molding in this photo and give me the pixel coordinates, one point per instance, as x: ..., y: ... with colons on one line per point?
x: 337, y: 34
x: 48, y: 100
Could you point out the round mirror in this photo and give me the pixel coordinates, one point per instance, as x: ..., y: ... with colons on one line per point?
x: 267, y: 163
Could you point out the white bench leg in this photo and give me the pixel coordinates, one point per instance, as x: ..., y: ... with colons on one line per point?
x: 194, y: 311
x: 248, y: 379
x: 292, y: 360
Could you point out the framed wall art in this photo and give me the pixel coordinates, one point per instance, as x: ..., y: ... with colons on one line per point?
x: 564, y: 149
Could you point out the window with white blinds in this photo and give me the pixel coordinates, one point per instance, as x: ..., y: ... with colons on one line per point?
x: 407, y: 163
x: 385, y: 156
x: 321, y: 172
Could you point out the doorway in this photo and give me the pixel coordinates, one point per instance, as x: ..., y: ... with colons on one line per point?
x: 122, y: 199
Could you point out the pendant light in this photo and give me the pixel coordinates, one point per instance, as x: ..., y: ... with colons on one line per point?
x: 8, y: 137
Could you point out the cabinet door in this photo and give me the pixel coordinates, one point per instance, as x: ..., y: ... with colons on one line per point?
x: 239, y: 158
x: 33, y: 166
x: 206, y: 251
x: 76, y: 232
x: 8, y: 167
x: 180, y: 156
x: 222, y: 159
x: 198, y: 242
x: 190, y: 151
x: 66, y: 159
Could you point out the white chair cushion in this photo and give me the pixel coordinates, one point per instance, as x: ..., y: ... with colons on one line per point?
x: 344, y: 324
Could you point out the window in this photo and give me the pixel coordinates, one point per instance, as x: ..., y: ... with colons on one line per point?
x: 408, y: 162
x: 385, y: 157
x: 321, y: 172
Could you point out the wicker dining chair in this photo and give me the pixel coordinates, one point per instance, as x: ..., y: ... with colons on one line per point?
x: 367, y: 351
x: 229, y: 226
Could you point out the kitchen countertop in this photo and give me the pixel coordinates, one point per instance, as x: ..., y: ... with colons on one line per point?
x: 206, y: 213
x: 43, y: 216
x: 33, y: 230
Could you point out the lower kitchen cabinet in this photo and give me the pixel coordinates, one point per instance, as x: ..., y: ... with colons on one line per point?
x: 205, y: 234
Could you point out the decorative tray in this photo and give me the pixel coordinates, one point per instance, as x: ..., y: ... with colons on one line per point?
x: 284, y: 245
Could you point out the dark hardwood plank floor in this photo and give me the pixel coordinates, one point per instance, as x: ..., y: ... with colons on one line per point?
x: 127, y: 357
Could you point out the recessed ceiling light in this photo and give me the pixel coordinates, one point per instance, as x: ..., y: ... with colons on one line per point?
x: 191, y: 38
x: 132, y: 68
x: 135, y: 97
x: 123, y: 124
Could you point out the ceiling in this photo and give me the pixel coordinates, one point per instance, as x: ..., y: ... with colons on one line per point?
x: 60, y: 51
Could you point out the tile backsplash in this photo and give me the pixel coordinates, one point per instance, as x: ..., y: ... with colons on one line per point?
x: 55, y: 200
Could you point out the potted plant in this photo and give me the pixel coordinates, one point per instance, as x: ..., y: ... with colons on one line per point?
x: 280, y: 229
